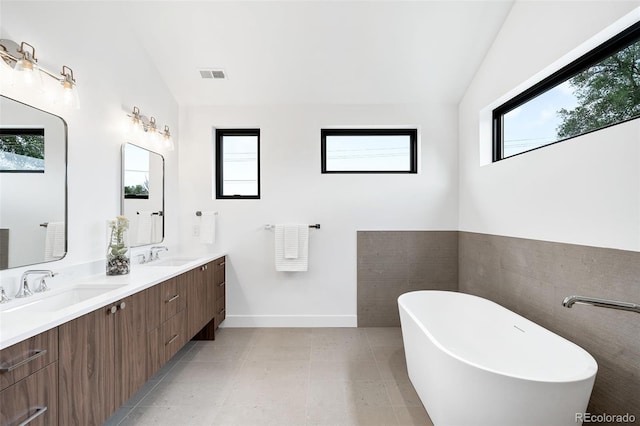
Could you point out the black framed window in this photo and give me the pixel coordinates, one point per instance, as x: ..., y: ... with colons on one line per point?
x: 369, y: 150
x: 237, y: 163
x: 597, y: 90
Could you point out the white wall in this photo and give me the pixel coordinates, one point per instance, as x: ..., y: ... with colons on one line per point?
x: 113, y: 75
x: 582, y: 191
x: 294, y: 190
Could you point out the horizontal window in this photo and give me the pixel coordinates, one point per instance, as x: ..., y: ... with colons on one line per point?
x: 599, y: 89
x: 237, y: 163
x: 369, y: 150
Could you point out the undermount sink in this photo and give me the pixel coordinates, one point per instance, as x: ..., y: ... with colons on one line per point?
x: 171, y: 262
x: 52, y: 302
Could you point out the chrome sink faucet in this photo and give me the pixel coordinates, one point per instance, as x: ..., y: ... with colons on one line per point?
x: 153, y: 253
x: 3, y: 296
x: 24, y: 290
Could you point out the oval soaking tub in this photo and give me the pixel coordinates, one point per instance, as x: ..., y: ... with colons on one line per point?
x: 474, y: 362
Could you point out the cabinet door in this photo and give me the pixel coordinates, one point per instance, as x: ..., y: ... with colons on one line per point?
x: 32, y: 400
x: 196, y: 299
x: 86, y: 369
x: 130, y: 346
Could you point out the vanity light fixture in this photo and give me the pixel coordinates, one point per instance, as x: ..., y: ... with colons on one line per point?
x: 140, y: 127
x: 168, y: 140
x: 27, y: 74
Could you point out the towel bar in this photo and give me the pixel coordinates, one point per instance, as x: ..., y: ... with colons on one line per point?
x: 269, y: 226
x: 199, y: 213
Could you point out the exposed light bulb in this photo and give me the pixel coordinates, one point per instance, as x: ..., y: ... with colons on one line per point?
x: 26, y: 74
x: 167, y: 140
x: 153, y: 134
x: 69, y: 95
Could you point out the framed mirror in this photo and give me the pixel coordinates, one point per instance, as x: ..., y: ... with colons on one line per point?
x: 143, y: 194
x: 33, y: 185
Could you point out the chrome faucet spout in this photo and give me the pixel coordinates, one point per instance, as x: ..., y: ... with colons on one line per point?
x: 24, y: 290
x: 569, y: 301
x: 155, y: 250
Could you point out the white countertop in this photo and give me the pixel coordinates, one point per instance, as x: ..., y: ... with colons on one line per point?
x: 16, y: 326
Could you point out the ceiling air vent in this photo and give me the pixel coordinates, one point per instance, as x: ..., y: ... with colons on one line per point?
x: 216, y: 74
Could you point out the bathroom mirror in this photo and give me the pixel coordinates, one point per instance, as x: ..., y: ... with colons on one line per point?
x: 33, y: 185
x: 143, y: 194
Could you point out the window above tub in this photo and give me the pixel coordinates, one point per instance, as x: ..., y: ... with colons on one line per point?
x: 369, y: 150
x: 599, y: 89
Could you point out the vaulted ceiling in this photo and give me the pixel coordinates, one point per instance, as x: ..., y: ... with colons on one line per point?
x: 309, y: 52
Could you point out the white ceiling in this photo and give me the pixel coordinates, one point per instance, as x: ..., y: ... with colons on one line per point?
x: 310, y: 52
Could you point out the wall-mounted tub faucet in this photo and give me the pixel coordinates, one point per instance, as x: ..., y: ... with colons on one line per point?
x: 24, y: 290
x: 603, y: 303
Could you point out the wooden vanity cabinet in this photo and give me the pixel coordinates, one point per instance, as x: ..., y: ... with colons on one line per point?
x: 197, y: 299
x: 84, y: 369
x: 29, y: 381
x: 167, y: 321
x: 209, y: 302
x: 102, y: 360
x: 220, y: 288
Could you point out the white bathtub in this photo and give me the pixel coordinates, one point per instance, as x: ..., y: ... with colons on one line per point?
x: 473, y: 362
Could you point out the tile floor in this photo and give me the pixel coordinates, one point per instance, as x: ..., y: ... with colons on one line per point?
x: 278, y: 376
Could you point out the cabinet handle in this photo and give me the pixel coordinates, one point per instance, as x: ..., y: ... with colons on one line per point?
x: 172, y: 340
x: 38, y: 353
x: 202, y: 268
x: 222, y: 264
x: 122, y: 305
x: 40, y: 411
x: 221, y: 284
x: 173, y: 298
x: 221, y: 311
x: 112, y: 310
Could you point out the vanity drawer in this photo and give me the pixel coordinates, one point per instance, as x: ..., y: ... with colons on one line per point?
x: 173, y: 296
x: 32, y: 400
x: 24, y: 358
x: 173, y: 335
x: 221, y: 311
x: 219, y: 268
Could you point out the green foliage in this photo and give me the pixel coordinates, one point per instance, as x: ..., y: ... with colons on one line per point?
x: 136, y: 190
x: 27, y: 145
x: 607, y: 93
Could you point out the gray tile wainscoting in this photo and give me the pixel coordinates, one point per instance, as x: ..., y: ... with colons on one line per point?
x: 391, y: 263
x: 532, y: 278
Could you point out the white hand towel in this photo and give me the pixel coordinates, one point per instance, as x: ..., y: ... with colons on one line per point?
x: 156, y: 229
x: 291, y: 236
x: 54, y: 241
x: 144, y: 227
x: 299, y: 264
x: 208, y: 227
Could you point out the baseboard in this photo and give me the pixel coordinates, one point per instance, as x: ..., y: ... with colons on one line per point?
x: 236, y: 321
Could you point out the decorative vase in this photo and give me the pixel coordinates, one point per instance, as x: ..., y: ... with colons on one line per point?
x: 118, y: 252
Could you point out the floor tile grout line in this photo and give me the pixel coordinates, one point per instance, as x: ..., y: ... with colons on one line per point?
x: 175, y: 363
x: 386, y: 390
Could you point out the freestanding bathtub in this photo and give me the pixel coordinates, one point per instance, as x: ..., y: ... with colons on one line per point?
x: 474, y: 362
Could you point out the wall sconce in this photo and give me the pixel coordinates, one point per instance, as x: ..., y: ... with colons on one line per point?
x: 26, y: 74
x: 139, y: 127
